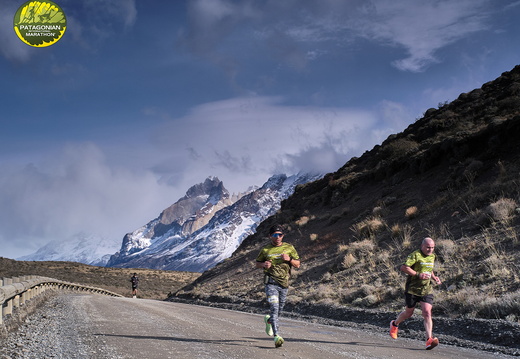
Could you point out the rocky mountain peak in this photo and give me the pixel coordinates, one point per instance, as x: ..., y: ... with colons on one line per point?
x: 209, y: 186
x: 206, y: 194
x: 275, y: 181
x: 205, y: 226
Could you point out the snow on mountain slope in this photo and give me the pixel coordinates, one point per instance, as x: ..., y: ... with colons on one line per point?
x: 169, y: 230
x: 82, y: 248
x: 194, y: 234
x: 216, y: 240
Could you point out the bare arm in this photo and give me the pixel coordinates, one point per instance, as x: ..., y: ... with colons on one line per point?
x: 410, y: 271
x: 295, y: 263
x: 266, y: 264
x: 292, y: 262
x: 436, y: 279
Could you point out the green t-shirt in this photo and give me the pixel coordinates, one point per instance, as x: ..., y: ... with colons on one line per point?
x: 419, y: 263
x: 280, y: 270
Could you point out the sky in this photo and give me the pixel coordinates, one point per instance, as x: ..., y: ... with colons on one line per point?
x: 138, y: 101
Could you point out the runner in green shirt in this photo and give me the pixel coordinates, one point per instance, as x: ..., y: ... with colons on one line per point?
x: 276, y: 259
x: 418, y: 289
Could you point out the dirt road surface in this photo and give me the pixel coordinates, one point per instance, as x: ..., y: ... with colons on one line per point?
x: 139, y: 328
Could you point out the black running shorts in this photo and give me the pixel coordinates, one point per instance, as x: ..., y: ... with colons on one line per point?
x: 412, y: 300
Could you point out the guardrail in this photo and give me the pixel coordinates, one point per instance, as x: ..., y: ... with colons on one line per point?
x: 15, y: 292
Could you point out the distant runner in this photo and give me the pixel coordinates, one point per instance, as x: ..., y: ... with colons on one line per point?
x: 418, y: 289
x: 135, y: 284
x: 276, y: 259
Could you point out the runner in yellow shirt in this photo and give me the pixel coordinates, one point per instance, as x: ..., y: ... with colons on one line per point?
x: 418, y: 289
x: 276, y: 259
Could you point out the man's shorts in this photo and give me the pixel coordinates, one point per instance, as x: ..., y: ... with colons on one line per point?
x: 412, y: 300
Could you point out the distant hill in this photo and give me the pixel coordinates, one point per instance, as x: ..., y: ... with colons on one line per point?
x: 153, y: 284
x: 452, y: 175
x: 82, y: 248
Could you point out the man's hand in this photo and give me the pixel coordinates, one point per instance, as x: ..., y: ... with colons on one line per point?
x: 285, y: 257
x: 424, y: 275
x: 267, y: 264
x: 436, y: 279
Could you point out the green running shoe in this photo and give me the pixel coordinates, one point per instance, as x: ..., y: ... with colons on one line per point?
x: 278, y: 341
x: 268, y: 326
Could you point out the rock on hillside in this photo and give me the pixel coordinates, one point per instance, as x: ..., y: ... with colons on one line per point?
x: 451, y: 175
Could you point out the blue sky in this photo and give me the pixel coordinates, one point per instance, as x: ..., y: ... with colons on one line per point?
x: 140, y: 100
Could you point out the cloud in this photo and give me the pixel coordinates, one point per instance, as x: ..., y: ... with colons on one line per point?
x: 211, y: 22
x: 112, y: 190
x: 316, y: 159
x: 245, y: 140
x: 512, y: 5
x: 13, y: 49
x: 124, y: 11
x: 75, y: 190
x: 419, y: 27
x: 422, y: 27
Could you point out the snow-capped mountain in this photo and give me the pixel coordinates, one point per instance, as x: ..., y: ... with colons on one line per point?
x: 204, y: 227
x: 82, y: 248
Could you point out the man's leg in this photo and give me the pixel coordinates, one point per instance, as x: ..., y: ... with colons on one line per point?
x: 273, y: 298
x: 405, y: 314
x: 282, y: 297
x: 411, y: 302
x: 427, y: 315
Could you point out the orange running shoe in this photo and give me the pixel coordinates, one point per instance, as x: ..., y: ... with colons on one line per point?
x: 432, y: 343
x: 393, y: 330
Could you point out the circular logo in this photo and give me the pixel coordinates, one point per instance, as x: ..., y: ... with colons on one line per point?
x: 40, y: 23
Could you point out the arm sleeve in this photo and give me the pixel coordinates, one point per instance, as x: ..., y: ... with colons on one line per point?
x: 294, y: 254
x: 410, y: 260
x: 261, y: 256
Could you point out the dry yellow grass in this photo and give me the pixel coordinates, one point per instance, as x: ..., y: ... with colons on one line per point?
x: 411, y: 212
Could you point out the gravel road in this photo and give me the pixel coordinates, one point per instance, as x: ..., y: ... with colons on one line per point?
x: 94, y: 326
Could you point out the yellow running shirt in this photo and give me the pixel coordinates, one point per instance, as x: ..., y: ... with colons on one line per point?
x: 280, y: 270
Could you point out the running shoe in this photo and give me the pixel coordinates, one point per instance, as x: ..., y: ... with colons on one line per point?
x: 278, y: 341
x: 268, y: 326
x: 432, y: 343
x: 393, y: 330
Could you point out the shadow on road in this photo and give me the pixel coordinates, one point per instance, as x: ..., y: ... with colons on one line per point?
x: 238, y: 342
x: 351, y: 343
x: 191, y: 340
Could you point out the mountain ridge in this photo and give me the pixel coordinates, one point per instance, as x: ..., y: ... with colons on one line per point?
x: 171, y: 231
x: 224, y: 226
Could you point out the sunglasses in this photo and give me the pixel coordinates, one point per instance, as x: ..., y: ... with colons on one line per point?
x: 277, y: 235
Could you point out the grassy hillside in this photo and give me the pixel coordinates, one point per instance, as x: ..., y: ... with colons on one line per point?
x: 153, y: 284
x: 452, y: 175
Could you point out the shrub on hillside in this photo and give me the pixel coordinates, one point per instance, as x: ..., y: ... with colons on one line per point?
x: 502, y: 210
x: 369, y: 227
x: 399, y: 148
x: 411, y: 212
